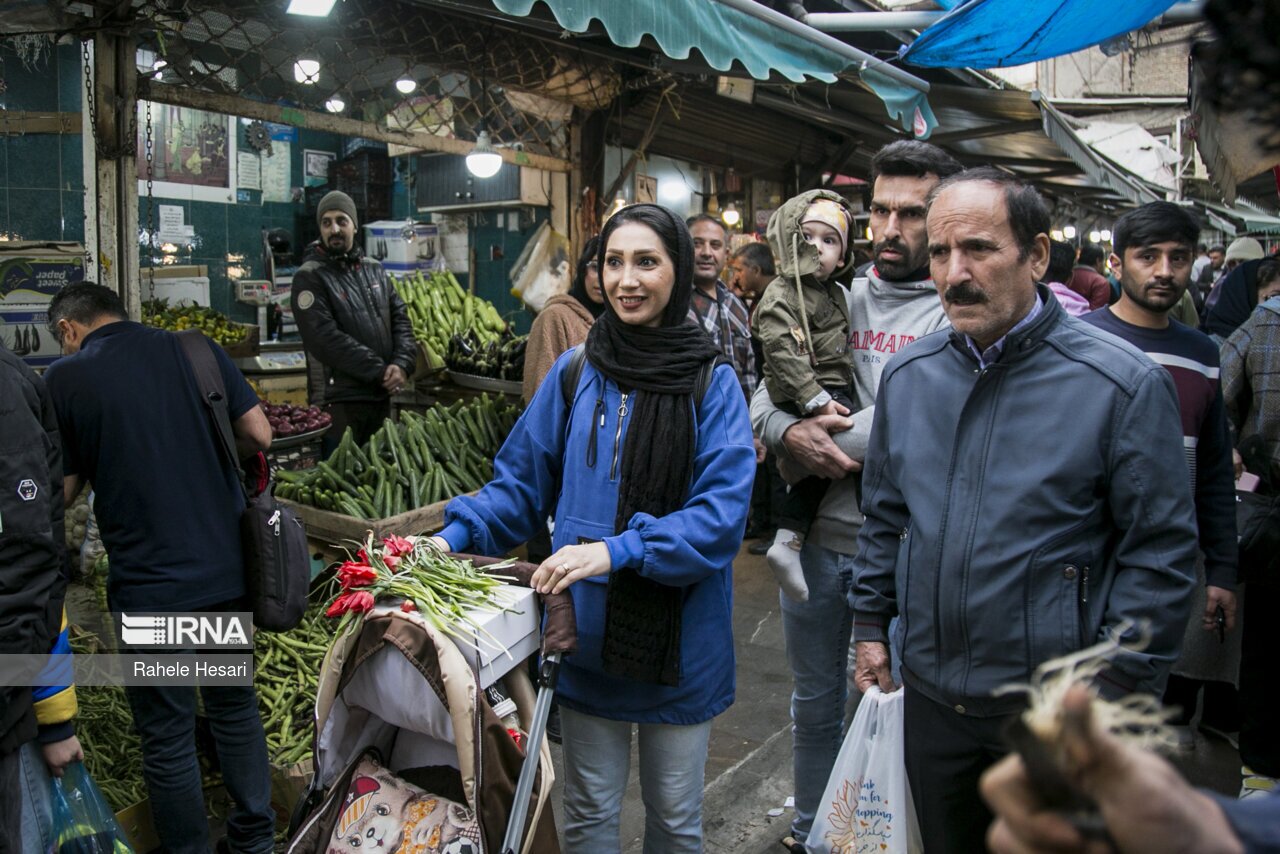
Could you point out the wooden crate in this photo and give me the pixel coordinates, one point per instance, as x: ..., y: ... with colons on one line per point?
x: 247, y: 346
x: 331, y: 531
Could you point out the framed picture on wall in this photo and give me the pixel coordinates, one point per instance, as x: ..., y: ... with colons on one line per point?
x: 193, y: 153
x: 315, y: 166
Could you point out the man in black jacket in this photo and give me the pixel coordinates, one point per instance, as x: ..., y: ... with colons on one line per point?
x: 32, y: 583
x: 353, y: 322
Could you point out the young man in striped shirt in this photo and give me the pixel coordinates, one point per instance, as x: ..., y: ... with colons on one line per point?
x: 1154, y: 251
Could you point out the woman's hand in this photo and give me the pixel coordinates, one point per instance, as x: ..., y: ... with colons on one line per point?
x: 570, y: 564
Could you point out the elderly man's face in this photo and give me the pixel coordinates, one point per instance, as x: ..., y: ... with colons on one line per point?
x: 973, y: 256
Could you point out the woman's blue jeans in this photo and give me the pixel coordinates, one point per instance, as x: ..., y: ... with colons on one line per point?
x: 597, y: 762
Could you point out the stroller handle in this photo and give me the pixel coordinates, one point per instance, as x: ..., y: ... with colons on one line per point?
x: 561, y: 633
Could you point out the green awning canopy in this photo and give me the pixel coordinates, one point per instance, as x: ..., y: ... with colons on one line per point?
x: 763, y: 41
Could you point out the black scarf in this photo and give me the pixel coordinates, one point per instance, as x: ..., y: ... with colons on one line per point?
x: 579, y: 289
x: 660, y: 365
x: 1237, y: 298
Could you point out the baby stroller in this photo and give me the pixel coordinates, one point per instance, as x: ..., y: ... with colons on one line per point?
x: 410, y: 756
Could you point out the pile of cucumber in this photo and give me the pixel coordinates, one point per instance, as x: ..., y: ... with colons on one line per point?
x: 407, y: 464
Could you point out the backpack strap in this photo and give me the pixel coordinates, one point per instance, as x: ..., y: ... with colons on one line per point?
x: 572, y: 373
x: 213, y: 393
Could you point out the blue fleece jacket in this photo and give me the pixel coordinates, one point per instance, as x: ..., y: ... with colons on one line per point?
x: 566, y: 461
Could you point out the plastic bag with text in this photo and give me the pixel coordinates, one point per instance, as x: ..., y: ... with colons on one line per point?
x: 867, y: 804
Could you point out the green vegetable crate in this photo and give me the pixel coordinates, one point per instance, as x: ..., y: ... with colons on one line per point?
x: 328, y: 530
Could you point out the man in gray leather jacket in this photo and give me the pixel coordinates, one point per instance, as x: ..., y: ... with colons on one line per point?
x: 1024, y: 497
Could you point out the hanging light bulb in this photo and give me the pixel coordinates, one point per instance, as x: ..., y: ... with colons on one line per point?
x: 307, y: 71
x: 156, y: 66
x: 1069, y: 232
x: 335, y: 104
x: 1105, y: 235
x: 618, y: 204
x: 868, y: 233
x: 730, y: 215
x: 1095, y: 236
x: 484, y: 161
x: 1056, y: 234
x: 405, y: 85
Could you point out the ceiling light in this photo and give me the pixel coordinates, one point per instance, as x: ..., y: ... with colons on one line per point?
x: 730, y: 215
x: 405, y: 85
x: 307, y: 71
x: 618, y: 204
x: 1105, y: 235
x: 484, y: 161
x: 1056, y: 234
x: 310, y: 8
x: 335, y: 104
x: 1069, y: 232
x: 1095, y: 236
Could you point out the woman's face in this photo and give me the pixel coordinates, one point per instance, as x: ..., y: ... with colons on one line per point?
x: 638, y: 274
x: 592, y: 282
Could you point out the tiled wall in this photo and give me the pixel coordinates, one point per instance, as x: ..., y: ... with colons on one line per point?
x: 41, y: 175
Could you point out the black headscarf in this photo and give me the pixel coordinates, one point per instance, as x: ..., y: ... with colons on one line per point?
x: 660, y: 365
x: 579, y: 289
x: 1236, y: 300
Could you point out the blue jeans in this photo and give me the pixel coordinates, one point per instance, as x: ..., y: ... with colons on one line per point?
x: 817, y: 634
x: 597, y: 761
x: 165, y: 719
x: 37, y: 803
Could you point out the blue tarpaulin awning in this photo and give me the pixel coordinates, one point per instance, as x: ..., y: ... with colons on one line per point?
x: 1005, y: 33
x: 764, y: 42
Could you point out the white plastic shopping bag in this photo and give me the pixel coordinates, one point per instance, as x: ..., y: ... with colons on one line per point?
x: 866, y: 808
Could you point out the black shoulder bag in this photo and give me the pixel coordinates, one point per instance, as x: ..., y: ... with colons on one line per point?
x: 277, y: 565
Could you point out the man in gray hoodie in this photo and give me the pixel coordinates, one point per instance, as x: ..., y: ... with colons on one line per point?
x: 891, y: 304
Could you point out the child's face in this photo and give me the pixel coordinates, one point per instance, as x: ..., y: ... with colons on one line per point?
x: 830, y: 248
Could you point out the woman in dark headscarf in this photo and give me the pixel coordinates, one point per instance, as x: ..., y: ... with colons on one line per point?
x: 564, y: 321
x: 1236, y: 301
x: 650, y: 487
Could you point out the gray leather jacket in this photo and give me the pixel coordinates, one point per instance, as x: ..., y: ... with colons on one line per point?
x: 1018, y: 513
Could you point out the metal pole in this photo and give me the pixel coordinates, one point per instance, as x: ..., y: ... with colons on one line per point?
x: 821, y: 39
x: 513, y: 840
x: 875, y: 22
x: 871, y: 22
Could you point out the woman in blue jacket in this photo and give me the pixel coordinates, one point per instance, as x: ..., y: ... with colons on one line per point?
x: 650, y: 490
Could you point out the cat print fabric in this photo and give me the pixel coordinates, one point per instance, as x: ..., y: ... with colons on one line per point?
x: 383, y: 814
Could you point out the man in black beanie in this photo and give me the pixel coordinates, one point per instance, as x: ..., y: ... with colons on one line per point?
x: 352, y: 322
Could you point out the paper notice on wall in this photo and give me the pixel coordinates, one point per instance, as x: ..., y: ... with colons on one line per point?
x: 172, y: 224
x: 275, y: 174
x: 248, y: 170
x: 453, y: 241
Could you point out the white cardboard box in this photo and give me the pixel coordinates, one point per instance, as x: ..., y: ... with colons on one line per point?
x: 516, y: 629
x: 393, y: 242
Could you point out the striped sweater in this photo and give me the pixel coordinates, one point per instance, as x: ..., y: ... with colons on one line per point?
x: 1192, y: 360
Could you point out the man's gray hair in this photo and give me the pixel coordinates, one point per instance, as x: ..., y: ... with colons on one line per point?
x: 1028, y: 214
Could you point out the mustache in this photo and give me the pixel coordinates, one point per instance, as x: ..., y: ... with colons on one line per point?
x: 964, y: 295
x: 892, y: 243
